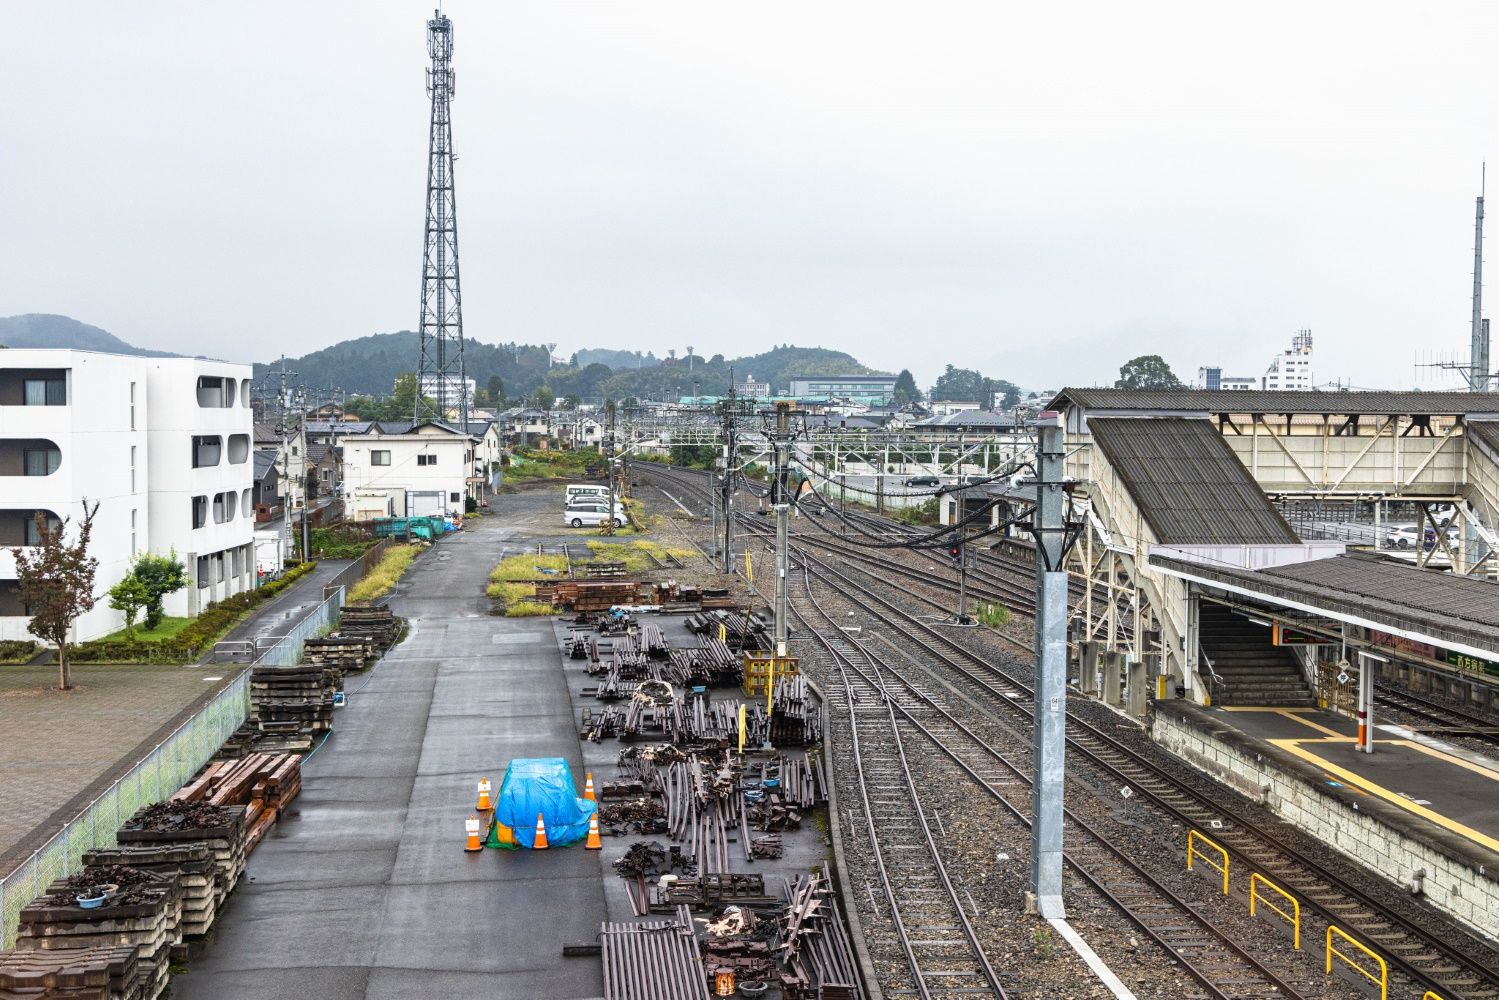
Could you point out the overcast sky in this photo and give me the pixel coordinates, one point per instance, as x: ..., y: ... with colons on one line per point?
x: 1037, y: 190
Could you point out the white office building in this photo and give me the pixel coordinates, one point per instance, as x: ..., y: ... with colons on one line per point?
x: 1292, y: 369
x: 162, y: 444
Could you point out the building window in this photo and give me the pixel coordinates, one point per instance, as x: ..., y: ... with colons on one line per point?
x: 452, y: 498
x: 203, y: 571
x: 33, y: 533
x: 239, y: 449
x: 380, y: 457
x: 200, y: 511
x: 223, y: 507
x: 426, y: 460
x: 132, y: 533
x: 327, y: 475
x: 40, y: 461
x: 132, y: 468
x: 49, y: 391
x: 206, y: 450
x: 132, y: 406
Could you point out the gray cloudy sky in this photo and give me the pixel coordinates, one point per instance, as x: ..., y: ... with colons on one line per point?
x: 1037, y: 190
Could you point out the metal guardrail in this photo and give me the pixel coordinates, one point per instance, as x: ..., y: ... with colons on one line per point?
x: 355, y: 571
x: 1293, y: 918
x: 287, y: 650
x: 164, y: 770
x: 1192, y: 852
x: 1382, y: 980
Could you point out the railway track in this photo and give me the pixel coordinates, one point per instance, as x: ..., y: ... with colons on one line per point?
x: 1223, y: 969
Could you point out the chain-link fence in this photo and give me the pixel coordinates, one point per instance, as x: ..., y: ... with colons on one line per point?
x: 166, y: 769
x: 287, y: 652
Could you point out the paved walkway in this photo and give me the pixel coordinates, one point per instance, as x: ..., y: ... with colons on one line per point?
x: 365, y: 890
x: 60, y: 749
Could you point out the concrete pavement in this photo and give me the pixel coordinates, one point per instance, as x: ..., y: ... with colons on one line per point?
x: 365, y: 892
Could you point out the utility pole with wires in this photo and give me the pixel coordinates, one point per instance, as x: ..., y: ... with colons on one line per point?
x: 730, y: 411
x: 781, y: 434
x: 609, y: 446
x: 1049, y: 736
x: 284, y: 428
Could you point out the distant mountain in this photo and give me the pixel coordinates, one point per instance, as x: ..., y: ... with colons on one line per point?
x: 47, y: 330
x: 617, y: 360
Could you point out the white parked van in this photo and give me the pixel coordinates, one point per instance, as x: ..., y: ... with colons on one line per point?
x: 576, y: 492
x: 590, y: 515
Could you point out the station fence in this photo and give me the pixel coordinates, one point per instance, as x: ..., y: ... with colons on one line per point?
x: 287, y: 650
x: 164, y: 770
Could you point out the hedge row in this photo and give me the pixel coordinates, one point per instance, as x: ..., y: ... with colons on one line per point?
x: 201, y: 633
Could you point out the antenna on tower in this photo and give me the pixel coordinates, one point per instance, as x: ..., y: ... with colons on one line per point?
x: 1478, y: 358
x: 440, y: 372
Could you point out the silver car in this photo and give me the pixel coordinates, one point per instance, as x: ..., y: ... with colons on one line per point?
x: 591, y: 515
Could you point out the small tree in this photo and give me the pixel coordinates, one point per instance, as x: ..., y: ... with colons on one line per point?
x: 128, y: 597
x: 56, y: 582
x: 160, y: 575
x: 1149, y: 371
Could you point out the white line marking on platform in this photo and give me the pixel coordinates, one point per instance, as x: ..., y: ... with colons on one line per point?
x: 1090, y: 958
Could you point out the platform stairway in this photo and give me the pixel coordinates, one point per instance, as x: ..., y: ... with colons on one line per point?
x: 1252, y: 671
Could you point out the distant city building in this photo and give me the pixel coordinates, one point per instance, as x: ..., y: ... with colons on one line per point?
x: 943, y: 407
x: 871, y: 390
x: 431, y: 384
x: 1291, y: 369
x: 751, y: 389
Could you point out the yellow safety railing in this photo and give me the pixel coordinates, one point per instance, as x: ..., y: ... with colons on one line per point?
x: 1382, y: 980
x: 1257, y: 880
x: 1428, y: 995
x: 1192, y: 838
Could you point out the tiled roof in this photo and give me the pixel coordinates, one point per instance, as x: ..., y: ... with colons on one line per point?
x: 1278, y: 401
x: 1189, y: 485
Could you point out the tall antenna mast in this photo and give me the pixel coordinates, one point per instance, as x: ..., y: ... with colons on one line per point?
x: 1478, y: 359
x: 440, y: 373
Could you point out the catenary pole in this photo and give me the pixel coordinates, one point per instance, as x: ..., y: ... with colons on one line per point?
x: 1049, y: 737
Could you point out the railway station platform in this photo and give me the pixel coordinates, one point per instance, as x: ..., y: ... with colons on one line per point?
x: 1421, y: 812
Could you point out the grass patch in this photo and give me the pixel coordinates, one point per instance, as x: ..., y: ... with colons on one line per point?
x: 168, y: 629
x: 635, y: 555
x: 379, y: 581
x: 529, y: 609
x: 552, y: 464
x: 511, y: 592
x: 925, y: 512
x: 993, y: 615
x: 528, y: 567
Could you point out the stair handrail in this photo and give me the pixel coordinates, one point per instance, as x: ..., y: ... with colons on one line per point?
x: 1215, y: 682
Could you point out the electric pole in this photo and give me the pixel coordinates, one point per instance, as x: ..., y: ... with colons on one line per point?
x: 286, y: 487
x: 1478, y: 360
x: 609, y: 470
x: 1049, y: 736
x: 781, y: 502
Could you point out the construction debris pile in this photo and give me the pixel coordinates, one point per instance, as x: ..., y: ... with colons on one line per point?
x: 594, y: 595
x: 111, y: 930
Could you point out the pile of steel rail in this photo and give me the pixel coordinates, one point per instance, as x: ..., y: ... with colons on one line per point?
x: 658, y: 960
x: 815, y: 949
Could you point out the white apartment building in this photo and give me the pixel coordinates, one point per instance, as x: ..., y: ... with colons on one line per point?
x: 1292, y: 369
x: 162, y: 444
x: 428, y: 470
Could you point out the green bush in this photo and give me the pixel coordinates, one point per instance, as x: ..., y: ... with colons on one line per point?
x: 17, y: 650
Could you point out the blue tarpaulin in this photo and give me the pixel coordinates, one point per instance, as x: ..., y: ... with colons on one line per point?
x: 543, y: 785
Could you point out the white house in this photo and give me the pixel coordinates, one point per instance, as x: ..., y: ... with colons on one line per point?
x: 162, y: 444
x: 427, y: 470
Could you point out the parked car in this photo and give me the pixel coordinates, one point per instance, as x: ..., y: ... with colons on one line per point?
x: 591, y: 515
x: 923, y: 481
x: 1402, y: 536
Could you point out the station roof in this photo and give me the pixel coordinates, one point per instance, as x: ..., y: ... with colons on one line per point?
x: 1278, y: 401
x: 1189, y: 485
x: 1440, y: 608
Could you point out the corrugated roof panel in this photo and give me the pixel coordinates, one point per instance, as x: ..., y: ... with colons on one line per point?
x: 1278, y: 401
x: 1189, y: 485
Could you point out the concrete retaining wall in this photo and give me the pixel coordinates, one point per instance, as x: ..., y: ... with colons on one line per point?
x: 1462, y: 878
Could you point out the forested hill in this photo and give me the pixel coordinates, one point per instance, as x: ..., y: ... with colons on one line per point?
x: 369, y: 366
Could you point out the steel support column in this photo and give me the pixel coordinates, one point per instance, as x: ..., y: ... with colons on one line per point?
x: 1049, y: 737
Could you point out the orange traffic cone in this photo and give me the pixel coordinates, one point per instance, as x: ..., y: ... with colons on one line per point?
x: 594, y: 843
x: 540, y: 843
x: 471, y: 827
x: 588, y: 788
x: 484, y: 789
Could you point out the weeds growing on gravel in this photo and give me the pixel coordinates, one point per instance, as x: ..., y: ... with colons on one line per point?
x: 387, y: 571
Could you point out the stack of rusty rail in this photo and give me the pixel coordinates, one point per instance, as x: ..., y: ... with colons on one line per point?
x: 141, y: 911
x: 103, y: 972
x: 370, y: 621
x: 263, y: 783
x: 348, y: 653
x: 658, y: 960
x: 171, y: 824
x: 601, y: 570
x: 742, y: 630
x: 301, y: 694
x: 795, y: 720
x: 814, y: 945
x: 717, y: 599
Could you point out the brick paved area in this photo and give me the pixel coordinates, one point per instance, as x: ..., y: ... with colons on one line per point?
x: 56, y: 744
